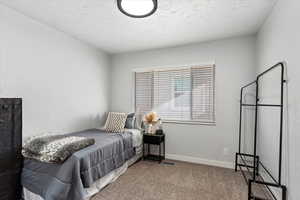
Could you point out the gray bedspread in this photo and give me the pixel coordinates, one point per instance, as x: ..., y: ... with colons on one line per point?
x: 67, y: 181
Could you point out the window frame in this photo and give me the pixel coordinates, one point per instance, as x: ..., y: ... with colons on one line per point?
x: 190, y: 122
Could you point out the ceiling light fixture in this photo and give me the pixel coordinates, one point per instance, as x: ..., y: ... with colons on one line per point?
x: 137, y: 8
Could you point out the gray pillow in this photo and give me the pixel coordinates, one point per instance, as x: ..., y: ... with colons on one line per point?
x: 130, y: 121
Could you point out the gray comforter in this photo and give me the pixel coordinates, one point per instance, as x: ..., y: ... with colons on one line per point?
x: 67, y: 181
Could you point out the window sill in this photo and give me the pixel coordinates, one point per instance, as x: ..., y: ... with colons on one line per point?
x: 190, y: 122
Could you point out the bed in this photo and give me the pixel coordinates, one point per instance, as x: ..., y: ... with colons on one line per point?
x: 87, y: 171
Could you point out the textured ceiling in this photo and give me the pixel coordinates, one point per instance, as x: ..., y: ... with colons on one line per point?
x: 176, y: 22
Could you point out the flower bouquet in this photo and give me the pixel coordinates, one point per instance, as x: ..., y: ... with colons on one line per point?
x: 151, y: 119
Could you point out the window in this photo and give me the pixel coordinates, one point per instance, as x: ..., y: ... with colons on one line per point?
x: 177, y: 95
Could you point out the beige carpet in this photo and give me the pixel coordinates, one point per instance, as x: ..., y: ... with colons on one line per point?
x: 148, y: 180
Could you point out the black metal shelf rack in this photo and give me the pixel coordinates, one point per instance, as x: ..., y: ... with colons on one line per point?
x: 241, y: 159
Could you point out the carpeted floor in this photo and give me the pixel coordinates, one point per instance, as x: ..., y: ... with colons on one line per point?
x: 148, y: 180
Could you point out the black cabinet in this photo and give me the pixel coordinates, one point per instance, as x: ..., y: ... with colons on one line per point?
x: 159, y: 141
x: 10, y: 148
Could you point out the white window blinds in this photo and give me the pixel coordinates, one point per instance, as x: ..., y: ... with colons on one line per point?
x: 143, y: 92
x: 181, y: 94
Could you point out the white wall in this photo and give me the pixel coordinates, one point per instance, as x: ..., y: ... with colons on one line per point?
x: 234, y: 59
x: 62, y: 81
x: 278, y: 40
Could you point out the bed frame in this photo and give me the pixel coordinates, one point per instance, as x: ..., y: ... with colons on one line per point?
x: 251, y: 171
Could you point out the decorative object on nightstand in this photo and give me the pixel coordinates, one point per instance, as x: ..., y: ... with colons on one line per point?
x: 151, y: 120
x: 157, y: 140
x: 159, y: 130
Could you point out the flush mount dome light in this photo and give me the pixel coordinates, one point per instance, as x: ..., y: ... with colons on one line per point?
x: 137, y: 8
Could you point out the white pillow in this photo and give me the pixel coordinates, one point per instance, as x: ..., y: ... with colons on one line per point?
x: 115, y: 122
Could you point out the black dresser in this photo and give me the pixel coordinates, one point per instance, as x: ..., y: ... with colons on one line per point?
x: 10, y: 148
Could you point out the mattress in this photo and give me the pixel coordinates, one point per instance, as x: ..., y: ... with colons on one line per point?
x: 98, y: 184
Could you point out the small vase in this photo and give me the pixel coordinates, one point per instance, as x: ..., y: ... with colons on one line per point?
x: 150, y: 129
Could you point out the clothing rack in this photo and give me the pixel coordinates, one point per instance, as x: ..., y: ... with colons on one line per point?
x: 242, y: 158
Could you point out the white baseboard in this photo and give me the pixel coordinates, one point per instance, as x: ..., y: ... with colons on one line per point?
x: 200, y: 161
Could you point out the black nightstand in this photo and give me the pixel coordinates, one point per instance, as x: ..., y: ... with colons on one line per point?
x: 159, y: 140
